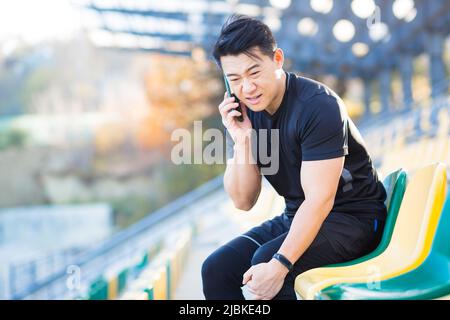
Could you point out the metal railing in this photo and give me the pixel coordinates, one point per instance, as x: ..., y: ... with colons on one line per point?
x: 374, y: 120
x: 124, y: 245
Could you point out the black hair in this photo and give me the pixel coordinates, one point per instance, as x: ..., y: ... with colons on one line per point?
x: 240, y: 34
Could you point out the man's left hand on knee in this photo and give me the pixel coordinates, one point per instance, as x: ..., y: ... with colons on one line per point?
x: 265, y: 280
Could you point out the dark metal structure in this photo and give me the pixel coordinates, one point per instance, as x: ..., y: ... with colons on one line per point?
x: 367, y: 39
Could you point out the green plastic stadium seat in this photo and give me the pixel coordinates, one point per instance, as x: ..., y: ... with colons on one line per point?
x: 431, y: 280
x: 395, y: 185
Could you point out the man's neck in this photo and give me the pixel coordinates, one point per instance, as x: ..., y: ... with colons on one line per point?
x: 273, y: 107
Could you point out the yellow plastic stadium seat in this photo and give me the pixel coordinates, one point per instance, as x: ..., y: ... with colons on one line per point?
x: 160, y: 283
x: 410, y: 243
x: 113, y: 287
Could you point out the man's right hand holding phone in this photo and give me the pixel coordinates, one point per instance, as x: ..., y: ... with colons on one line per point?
x: 238, y: 130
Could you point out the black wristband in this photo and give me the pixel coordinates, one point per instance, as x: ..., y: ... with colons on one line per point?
x: 284, y: 261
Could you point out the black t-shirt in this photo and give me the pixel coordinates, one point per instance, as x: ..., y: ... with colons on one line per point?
x: 313, y: 125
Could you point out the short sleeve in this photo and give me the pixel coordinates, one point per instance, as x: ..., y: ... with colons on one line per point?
x: 323, y: 129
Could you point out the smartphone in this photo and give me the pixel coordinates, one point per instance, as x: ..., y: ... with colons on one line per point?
x: 230, y: 94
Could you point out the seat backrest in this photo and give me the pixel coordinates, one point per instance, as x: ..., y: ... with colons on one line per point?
x: 441, y: 242
x: 395, y: 185
x: 419, y: 213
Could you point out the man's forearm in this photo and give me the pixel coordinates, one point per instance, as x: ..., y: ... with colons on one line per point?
x: 242, y: 179
x: 304, y: 228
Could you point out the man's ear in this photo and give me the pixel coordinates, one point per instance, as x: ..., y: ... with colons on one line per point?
x: 278, y: 57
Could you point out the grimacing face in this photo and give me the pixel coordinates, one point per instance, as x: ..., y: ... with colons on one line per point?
x: 257, y: 82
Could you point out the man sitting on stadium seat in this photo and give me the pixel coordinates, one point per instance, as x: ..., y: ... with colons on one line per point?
x: 335, y: 208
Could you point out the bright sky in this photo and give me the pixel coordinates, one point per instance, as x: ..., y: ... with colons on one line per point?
x: 37, y: 20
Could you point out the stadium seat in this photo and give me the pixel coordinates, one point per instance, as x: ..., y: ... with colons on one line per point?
x: 160, y: 285
x: 160, y: 278
x: 410, y: 243
x: 395, y: 185
x: 430, y: 280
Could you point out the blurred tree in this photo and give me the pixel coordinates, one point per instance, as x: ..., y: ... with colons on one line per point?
x: 180, y: 91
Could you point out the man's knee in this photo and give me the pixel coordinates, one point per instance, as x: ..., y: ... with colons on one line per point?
x: 209, y: 266
x: 263, y: 254
x: 216, y: 263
